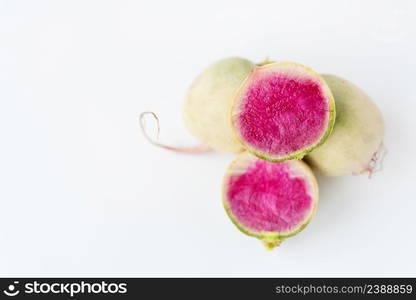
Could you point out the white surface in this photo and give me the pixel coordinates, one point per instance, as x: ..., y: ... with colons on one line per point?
x: 83, y: 194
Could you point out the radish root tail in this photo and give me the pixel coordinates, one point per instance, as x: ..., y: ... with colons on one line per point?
x: 155, y: 141
x: 376, y: 163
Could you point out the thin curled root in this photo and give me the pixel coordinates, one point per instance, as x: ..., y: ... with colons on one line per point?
x: 376, y: 163
x: 192, y: 150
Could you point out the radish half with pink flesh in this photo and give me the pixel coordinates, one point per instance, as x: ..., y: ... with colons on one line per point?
x: 282, y: 111
x: 270, y: 201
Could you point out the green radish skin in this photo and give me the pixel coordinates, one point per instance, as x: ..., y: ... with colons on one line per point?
x: 355, y: 145
x: 207, y: 108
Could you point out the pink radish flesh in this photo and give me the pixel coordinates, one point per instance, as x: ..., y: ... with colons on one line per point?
x: 267, y: 197
x: 281, y: 115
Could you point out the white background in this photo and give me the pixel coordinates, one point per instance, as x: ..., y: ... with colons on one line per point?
x: 83, y: 194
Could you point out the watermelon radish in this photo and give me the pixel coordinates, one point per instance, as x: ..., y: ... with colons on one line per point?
x: 207, y: 108
x: 270, y: 201
x: 356, y: 143
x: 277, y: 111
x: 283, y: 111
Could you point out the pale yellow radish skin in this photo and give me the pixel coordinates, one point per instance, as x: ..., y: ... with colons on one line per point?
x: 207, y: 107
x: 357, y: 137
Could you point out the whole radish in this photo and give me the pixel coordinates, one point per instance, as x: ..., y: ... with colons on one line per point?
x: 275, y: 110
x: 356, y: 143
x: 207, y: 108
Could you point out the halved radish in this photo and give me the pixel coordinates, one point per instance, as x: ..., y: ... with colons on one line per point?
x: 270, y: 201
x: 282, y: 111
